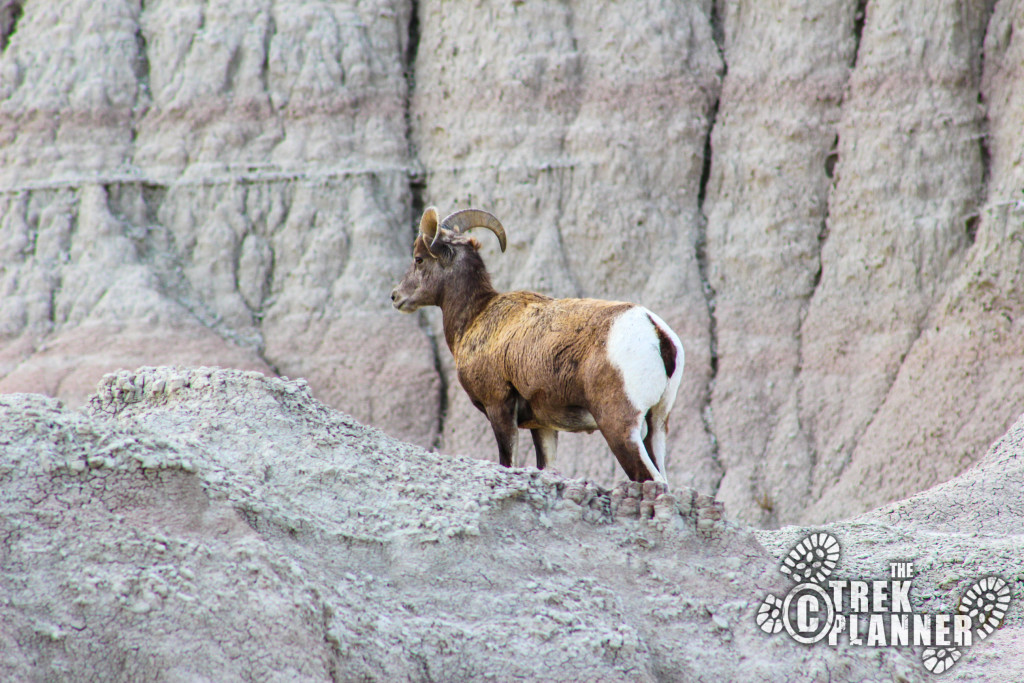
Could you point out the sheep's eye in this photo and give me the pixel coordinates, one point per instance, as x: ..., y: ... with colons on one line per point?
x: 419, y: 260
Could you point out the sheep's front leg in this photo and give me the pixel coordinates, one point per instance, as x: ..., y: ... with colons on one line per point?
x: 506, y: 431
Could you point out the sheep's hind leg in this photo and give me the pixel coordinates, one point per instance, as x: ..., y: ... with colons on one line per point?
x: 626, y: 443
x: 545, y: 442
x: 654, y: 441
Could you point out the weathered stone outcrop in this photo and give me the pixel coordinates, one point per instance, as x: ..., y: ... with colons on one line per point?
x: 215, y: 524
x: 773, y: 149
x: 209, y: 183
x: 824, y: 200
x: 957, y: 386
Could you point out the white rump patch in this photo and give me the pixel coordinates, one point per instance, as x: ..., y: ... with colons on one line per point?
x: 677, y: 376
x: 634, y: 348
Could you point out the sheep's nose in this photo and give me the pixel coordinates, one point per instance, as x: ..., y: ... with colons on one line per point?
x: 394, y: 295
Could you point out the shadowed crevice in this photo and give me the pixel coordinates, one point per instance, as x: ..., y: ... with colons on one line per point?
x: 268, y: 36
x: 972, y: 220
x: 417, y: 203
x: 412, y: 44
x: 858, y: 29
x: 143, y: 96
x: 10, y: 14
x: 417, y: 181
x: 700, y: 248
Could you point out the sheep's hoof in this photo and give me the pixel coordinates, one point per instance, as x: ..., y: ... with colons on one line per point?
x: 653, y: 489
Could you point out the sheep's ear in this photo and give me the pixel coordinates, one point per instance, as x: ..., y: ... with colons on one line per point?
x: 428, y: 225
x: 435, y: 237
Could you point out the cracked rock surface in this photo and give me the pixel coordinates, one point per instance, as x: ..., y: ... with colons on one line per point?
x: 222, y: 525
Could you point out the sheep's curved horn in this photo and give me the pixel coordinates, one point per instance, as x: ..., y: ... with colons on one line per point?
x: 467, y: 219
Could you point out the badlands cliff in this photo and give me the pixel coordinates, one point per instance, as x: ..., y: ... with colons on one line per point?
x: 221, y: 525
x: 823, y: 198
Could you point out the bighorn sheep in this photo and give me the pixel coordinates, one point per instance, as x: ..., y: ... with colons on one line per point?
x: 547, y: 365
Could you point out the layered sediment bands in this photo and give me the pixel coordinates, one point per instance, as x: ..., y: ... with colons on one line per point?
x: 210, y: 183
x: 909, y: 178
x: 583, y: 128
x: 823, y: 199
x: 961, y: 377
x: 767, y: 202
x: 88, y: 284
x: 822, y: 291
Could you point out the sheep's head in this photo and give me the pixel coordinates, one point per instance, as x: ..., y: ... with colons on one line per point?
x: 443, y: 256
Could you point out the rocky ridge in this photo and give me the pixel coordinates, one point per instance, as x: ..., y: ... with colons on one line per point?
x: 220, y: 524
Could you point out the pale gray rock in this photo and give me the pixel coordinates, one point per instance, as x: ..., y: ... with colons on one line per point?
x: 197, y: 183
x: 909, y: 180
x: 773, y: 148
x: 959, y: 379
x: 211, y: 524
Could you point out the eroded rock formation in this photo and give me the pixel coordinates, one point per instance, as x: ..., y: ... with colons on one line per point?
x: 825, y: 201
x: 218, y: 524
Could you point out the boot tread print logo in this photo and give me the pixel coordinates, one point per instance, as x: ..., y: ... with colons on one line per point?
x: 876, y: 613
x: 769, y: 615
x: 812, y: 559
x: 986, y: 603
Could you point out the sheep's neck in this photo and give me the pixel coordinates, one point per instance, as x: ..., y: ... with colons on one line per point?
x: 459, y: 311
